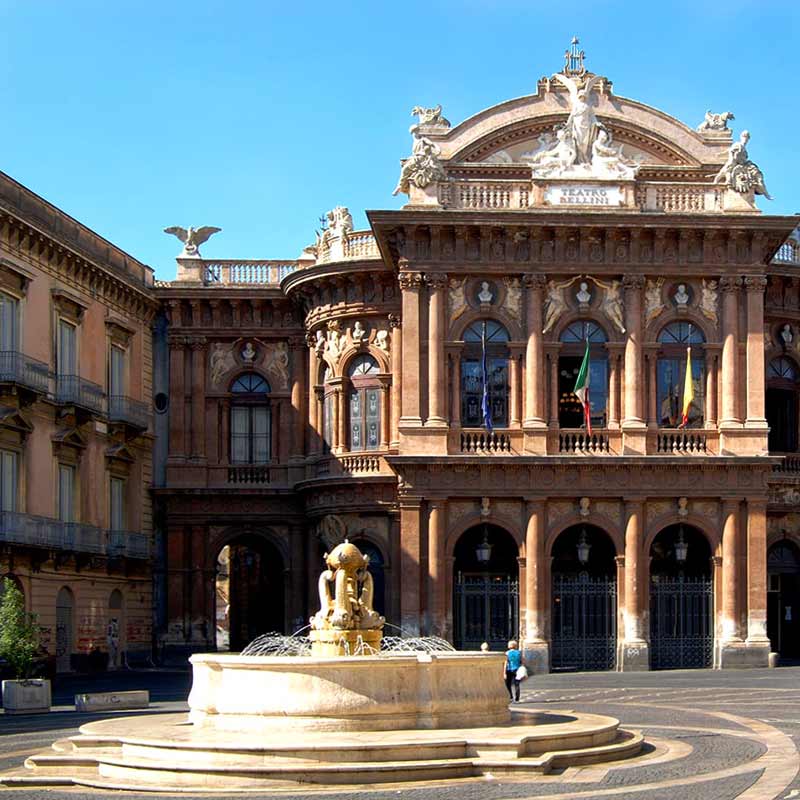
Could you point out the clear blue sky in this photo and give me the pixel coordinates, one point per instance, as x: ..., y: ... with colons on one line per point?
x: 259, y: 116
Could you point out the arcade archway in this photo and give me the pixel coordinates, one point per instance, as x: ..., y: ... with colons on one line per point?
x: 584, y: 602
x: 249, y: 591
x: 783, y: 599
x: 486, y: 588
x: 681, y: 599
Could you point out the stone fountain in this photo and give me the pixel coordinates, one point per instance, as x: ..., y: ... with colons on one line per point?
x: 346, y: 714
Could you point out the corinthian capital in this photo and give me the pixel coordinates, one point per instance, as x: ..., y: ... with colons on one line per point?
x: 537, y: 282
x: 633, y: 282
x: 410, y: 281
x: 755, y: 283
x: 728, y: 283
x: 436, y: 280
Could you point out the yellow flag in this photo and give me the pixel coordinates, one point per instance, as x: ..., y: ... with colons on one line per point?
x: 688, y: 388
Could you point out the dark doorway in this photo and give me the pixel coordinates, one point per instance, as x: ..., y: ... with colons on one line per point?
x: 486, y: 588
x: 782, y: 420
x: 252, y: 582
x: 681, y: 600
x: 584, y: 600
x: 783, y: 599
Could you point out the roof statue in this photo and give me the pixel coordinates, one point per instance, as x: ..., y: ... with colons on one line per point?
x: 738, y: 172
x: 715, y: 122
x: 430, y: 117
x: 192, y: 238
x: 422, y: 167
x: 582, y: 146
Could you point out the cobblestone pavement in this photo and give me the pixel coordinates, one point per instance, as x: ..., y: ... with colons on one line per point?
x: 711, y: 736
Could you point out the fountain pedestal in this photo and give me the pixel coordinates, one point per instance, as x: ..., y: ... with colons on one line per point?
x: 332, y: 643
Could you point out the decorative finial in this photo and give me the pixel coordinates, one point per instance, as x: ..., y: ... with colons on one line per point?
x: 573, y: 60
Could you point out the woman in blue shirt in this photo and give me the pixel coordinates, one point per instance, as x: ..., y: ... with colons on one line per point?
x: 513, y: 663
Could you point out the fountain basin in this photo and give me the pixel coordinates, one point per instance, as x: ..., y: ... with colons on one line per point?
x: 253, y: 694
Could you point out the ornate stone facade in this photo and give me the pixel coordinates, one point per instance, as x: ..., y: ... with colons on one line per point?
x: 497, y: 277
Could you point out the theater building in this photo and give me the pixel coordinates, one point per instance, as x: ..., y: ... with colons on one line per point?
x: 75, y: 439
x: 410, y: 387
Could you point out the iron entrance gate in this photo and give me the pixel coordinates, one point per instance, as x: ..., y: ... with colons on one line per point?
x: 486, y: 610
x: 681, y: 622
x: 584, y: 614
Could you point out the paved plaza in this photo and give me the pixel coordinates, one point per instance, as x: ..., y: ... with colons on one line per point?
x: 712, y: 735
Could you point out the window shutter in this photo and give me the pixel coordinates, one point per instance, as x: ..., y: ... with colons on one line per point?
x: 66, y: 492
x: 9, y: 309
x: 8, y: 480
x: 117, y: 373
x: 66, y: 348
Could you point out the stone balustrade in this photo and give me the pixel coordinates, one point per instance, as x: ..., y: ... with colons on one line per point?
x: 788, y: 253
x: 680, y: 441
x: 354, y: 246
x: 485, y: 442
x: 579, y: 441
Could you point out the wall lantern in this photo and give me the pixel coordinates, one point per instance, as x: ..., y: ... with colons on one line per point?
x: 681, y: 547
x: 483, y: 552
x: 583, y: 548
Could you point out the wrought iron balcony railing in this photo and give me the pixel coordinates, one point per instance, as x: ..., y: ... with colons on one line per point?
x: 74, y: 390
x: 126, y: 409
x: 249, y: 473
x: 74, y: 537
x: 16, y: 367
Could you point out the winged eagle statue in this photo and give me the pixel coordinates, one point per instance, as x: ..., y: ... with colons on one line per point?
x: 192, y: 238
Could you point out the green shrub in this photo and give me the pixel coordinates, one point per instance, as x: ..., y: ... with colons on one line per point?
x: 19, y: 633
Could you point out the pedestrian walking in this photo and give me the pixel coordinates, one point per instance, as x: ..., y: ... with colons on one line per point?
x: 512, y: 665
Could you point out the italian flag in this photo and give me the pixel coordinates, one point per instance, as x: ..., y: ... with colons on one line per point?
x: 582, y: 389
x: 688, y: 389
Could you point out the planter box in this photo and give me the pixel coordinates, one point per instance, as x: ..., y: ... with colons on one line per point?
x: 26, y: 697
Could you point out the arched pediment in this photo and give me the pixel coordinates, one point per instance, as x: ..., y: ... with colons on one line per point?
x: 514, y: 127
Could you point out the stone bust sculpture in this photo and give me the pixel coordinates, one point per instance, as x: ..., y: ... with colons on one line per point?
x: 681, y: 295
x: 583, y: 295
x: 485, y: 294
x: 358, y: 332
x: 249, y: 353
x: 786, y: 334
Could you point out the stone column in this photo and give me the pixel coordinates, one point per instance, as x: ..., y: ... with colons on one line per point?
x: 758, y: 644
x: 730, y: 568
x: 397, y: 378
x: 754, y: 285
x: 314, y: 427
x: 730, y: 351
x: 177, y: 391
x: 633, y: 654
x: 437, y: 510
x: 613, y: 384
x: 534, y: 355
x: 711, y: 387
x: 652, y: 386
x: 335, y: 432
x: 633, y: 352
x: 455, y: 389
x: 553, y: 357
x: 341, y: 411
x: 410, y: 284
x: 535, y: 646
x: 385, y: 417
x: 437, y: 409
x: 410, y: 565
x: 298, y: 393
x: 513, y: 388
x: 199, y: 346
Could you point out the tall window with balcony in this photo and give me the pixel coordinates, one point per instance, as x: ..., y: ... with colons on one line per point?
x: 674, y: 339
x: 67, y: 362
x: 492, y: 337
x: 783, y: 394
x: 573, y: 348
x: 66, y: 492
x: 116, y: 382
x: 365, y: 404
x: 9, y: 472
x: 117, y: 516
x: 251, y: 421
x: 9, y: 336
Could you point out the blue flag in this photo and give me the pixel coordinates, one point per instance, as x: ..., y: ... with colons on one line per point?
x: 486, y: 409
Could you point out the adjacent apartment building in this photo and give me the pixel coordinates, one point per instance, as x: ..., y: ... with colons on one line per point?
x: 75, y: 432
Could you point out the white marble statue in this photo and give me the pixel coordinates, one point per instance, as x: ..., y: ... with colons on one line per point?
x: 708, y: 300
x: 249, y: 353
x: 786, y: 334
x: 555, y: 304
x: 715, y: 122
x: 319, y: 344
x: 192, y: 238
x: 611, y: 305
x: 278, y: 365
x: 653, y: 305
x: 681, y: 296
x: 382, y: 340
x: 221, y: 362
x: 608, y: 159
x: 333, y: 339
x: 422, y: 167
x: 738, y: 172
x: 583, y: 296
x: 485, y: 294
x: 430, y: 116
x: 358, y: 332
x: 581, y: 122
x: 456, y: 298
x: 557, y: 160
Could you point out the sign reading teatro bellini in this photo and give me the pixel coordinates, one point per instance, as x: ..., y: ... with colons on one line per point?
x: 583, y: 195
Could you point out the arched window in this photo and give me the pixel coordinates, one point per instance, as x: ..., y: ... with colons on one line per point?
x: 251, y: 421
x: 674, y: 340
x: 365, y: 404
x: 490, y: 339
x: 782, y: 405
x: 573, y: 348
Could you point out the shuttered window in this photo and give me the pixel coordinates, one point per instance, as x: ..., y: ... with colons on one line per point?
x: 9, y: 465
x: 117, y: 505
x: 67, y: 361
x: 66, y: 493
x: 9, y: 325
x: 116, y: 377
